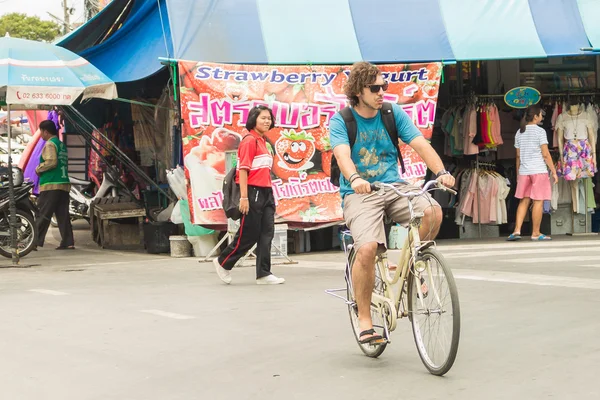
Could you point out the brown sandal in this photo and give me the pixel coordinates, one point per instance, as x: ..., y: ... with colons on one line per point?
x: 374, y: 339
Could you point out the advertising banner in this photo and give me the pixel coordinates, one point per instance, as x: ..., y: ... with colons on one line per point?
x: 216, y: 100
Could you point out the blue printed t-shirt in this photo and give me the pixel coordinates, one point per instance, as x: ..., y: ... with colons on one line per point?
x: 373, y: 153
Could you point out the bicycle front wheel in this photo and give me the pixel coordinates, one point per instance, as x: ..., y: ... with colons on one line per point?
x: 369, y: 350
x: 434, y: 311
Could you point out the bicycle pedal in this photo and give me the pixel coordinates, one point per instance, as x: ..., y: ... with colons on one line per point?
x: 379, y: 342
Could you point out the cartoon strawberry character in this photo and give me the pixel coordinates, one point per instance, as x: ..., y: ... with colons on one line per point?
x: 295, y: 150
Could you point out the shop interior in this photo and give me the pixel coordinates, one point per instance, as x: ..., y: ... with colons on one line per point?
x: 475, y: 130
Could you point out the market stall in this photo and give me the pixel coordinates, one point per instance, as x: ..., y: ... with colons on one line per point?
x: 61, y: 80
x: 477, y: 34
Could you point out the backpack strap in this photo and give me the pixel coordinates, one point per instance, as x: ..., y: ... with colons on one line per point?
x: 350, y: 122
x: 387, y: 116
x: 389, y: 121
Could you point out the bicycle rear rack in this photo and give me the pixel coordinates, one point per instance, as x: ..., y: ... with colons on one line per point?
x: 332, y: 292
x: 346, y: 237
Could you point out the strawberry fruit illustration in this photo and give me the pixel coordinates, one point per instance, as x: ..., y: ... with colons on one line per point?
x: 295, y: 150
x: 326, y: 161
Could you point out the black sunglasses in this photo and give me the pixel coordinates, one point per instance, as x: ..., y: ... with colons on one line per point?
x: 377, y: 88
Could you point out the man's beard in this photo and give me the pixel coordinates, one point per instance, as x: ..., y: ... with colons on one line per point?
x: 374, y: 106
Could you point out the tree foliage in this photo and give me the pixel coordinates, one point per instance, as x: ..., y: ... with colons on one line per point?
x: 27, y: 27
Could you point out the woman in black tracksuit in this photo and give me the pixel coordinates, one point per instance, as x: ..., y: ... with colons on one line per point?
x: 257, y: 204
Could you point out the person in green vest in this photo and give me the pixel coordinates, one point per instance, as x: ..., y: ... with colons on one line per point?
x: 54, y: 187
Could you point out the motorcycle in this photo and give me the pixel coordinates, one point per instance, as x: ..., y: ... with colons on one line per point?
x: 26, y: 228
x: 82, y: 198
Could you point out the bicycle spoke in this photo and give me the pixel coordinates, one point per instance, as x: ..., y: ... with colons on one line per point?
x: 433, y: 316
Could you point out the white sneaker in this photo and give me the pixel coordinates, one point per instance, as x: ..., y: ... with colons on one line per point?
x: 270, y: 280
x: 224, y: 274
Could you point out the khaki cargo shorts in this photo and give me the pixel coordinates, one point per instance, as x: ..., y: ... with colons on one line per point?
x: 364, y: 215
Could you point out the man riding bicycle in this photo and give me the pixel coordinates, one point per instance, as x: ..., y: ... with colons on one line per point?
x: 374, y: 158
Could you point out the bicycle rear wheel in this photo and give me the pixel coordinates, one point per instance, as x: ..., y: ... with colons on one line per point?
x: 369, y: 350
x: 434, y: 311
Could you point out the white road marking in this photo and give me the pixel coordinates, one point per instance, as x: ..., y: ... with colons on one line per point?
x: 326, y: 265
x: 486, y: 276
x: 527, y: 279
x: 516, y: 252
x: 567, y: 260
x: 50, y: 292
x: 167, y: 314
x: 123, y: 262
x: 522, y: 244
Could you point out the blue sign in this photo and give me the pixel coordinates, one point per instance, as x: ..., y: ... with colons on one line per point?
x: 522, y: 97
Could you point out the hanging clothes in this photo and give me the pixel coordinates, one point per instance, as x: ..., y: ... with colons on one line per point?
x: 558, y: 109
x: 450, y: 125
x: 471, y: 128
x: 495, y: 126
x: 470, y: 131
x: 483, y: 197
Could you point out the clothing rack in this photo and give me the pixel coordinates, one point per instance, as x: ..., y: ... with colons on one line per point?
x: 567, y: 94
x: 481, y: 97
x: 483, y: 164
x: 475, y: 98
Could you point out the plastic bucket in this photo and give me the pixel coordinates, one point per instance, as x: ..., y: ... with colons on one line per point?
x: 180, y: 246
x: 156, y: 236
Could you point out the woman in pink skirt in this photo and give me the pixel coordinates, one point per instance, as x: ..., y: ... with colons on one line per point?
x: 533, y: 163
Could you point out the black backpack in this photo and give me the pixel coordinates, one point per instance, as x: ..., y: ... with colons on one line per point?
x: 231, y: 193
x: 387, y: 115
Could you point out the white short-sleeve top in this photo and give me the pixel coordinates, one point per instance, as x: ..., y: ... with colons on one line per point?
x: 574, y: 127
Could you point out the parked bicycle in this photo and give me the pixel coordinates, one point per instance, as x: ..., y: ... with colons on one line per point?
x: 422, y: 288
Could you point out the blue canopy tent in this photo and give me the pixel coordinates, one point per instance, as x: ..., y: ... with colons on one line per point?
x: 127, y: 38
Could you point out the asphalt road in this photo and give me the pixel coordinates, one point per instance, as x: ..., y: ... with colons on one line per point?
x: 93, y: 324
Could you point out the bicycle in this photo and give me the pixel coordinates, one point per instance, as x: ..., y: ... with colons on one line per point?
x: 414, y: 291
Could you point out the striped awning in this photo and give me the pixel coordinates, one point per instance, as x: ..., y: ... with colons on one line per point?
x: 343, y: 31
x: 331, y: 32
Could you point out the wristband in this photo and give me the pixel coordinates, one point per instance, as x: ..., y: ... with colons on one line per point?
x: 441, y: 173
x: 243, y: 198
x: 352, y: 180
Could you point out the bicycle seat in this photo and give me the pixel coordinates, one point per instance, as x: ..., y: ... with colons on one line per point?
x: 76, y: 181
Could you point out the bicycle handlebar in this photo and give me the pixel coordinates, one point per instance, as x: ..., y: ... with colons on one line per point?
x: 378, y: 186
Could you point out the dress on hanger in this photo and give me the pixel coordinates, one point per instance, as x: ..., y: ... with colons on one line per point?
x: 577, y: 160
